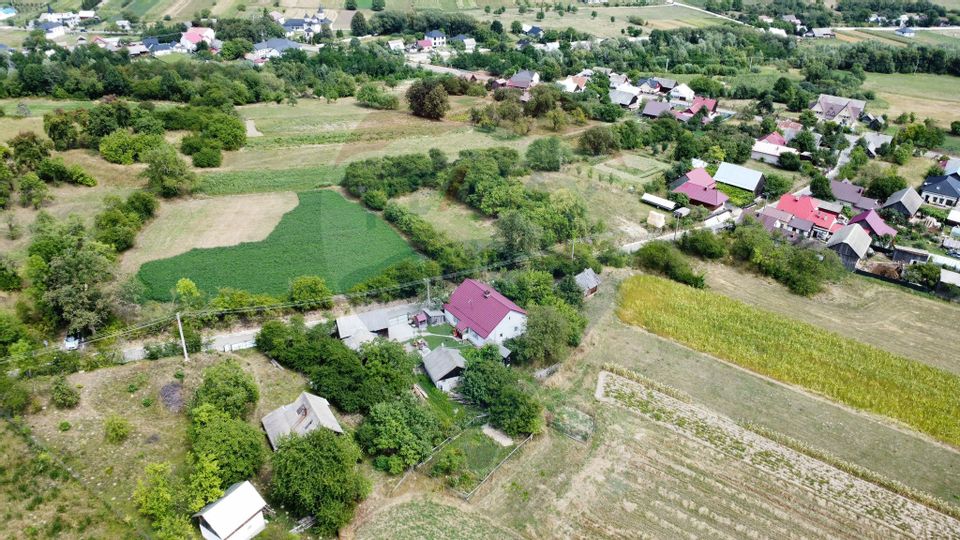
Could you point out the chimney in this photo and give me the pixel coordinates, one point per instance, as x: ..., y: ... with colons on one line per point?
x: 486, y: 293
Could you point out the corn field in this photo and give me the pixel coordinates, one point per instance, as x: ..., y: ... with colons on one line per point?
x: 855, y: 374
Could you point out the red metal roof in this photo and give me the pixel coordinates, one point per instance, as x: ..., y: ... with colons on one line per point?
x: 700, y: 177
x: 479, y: 306
x: 698, y: 102
x: 873, y: 223
x: 705, y: 195
x: 805, y: 207
x: 775, y: 138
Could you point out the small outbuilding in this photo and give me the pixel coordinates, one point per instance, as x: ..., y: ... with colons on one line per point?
x: 906, y: 202
x: 588, y: 281
x: 307, y: 413
x: 444, y: 366
x: 238, y: 515
x: 851, y: 243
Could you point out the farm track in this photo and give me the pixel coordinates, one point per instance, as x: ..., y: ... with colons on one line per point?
x: 790, y: 486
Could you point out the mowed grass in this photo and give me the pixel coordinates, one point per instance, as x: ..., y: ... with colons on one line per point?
x: 850, y: 372
x: 422, y: 519
x: 260, y: 181
x: 460, y: 222
x: 325, y: 235
x: 929, y: 96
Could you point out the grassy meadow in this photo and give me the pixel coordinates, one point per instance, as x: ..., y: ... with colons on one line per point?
x: 930, y: 96
x: 253, y: 181
x: 324, y: 235
x: 859, y: 375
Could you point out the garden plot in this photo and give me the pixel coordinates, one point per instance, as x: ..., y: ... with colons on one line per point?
x: 827, y: 501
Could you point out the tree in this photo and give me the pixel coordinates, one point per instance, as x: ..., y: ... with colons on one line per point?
x: 71, y: 283
x: 350, y: 5
x: 547, y: 335
x: 484, y: 376
x: 154, y: 493
x: 598, y: 140
x: 518, y: 235
x: 926, y: 274
x: 804, y: 142
x: 808, y: 118
x: 496, y: 27
x: 955, y: 127
x: 789, y: 161
x: 517, y: 413
x: 558, y: 119
x: 228, y: 388
x: 29, y: 150
x: 235, y: 48
x: 311, y: 292
x: 547, y: 154
x: 33, y: 191
x: 703, y: 243
x: 167, y: 173
x: 820, y: 188
x: 207, y: 156
x: 205, y: 484
x: 398, y: 434
x: 428, y: 99
x: 358, y: 25
x: 776, y: 185
x: 373, y: 96
x: 316, y: 474
x: 881, y: 188
x: 233, y: 444
x: 226, y: 129
x: 378, y: 5
x: 187, y: 294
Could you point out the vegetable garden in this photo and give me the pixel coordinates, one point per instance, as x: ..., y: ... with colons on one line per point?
x: 850, y: 372
x: 325, y: 235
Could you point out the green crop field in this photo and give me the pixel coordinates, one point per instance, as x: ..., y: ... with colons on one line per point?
x: 261, y: 181
x: 850, y: 372
x: 325, y: 235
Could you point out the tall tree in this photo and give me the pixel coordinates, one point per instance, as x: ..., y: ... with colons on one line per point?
x: 428, y: 99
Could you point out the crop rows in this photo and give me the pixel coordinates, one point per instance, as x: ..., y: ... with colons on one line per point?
x: 325, y: 235
x: 848, y: 371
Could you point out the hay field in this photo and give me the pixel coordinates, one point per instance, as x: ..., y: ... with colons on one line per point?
x: 458, y: 221
x: 182, y: 225
x: 933, y: 96
x: 320, y: 237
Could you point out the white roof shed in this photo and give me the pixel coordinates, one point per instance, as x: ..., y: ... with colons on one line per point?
x: 238, y: 515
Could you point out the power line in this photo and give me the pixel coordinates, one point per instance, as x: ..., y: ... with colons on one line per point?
x: 285, y: 305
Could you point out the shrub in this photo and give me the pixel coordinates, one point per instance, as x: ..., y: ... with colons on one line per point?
x: 398, y: 434
x: 116, y: 429
x: 208, y: 156
x: 428, y: 99
x: 63, y: 394
x: 599, y: 140
x: 191, y: 144
x: 311, y: 292
x: 232, y: 443
x: 451, y: 461
x: 228, y: 388
x: 14, y: 396
x: 226, y: 129
x: 118, y: 147
x: 702, y: 243
x: 665, y: 258
x: 376, y: 199
x: 371, y: 95
x: 64, y: 426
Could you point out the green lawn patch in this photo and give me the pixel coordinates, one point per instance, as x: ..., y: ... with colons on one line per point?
x: 260, y: 181
x: 482, y: 453
x: 447, y: 410
x: 853, y: 373
x: 325, y: 235
x: 739, y: 197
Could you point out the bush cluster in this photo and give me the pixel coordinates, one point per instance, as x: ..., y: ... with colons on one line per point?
x: 665, y: 258
x: 487, y: 382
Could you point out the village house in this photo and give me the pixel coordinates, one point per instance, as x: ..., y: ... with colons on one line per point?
x: 391, y: 322
x: 524, y: 80
x: 238, y: 515
x: 769, y: 152
x: 943, y: 191
x: 192, y: 38
x: 648, y: 86
x: 812, y: 219
x: 843, y: 111
x: 820, y: 33
x: 307, y: 413
x: 906, y: 32
x: 469, y: 44
x: 740, y: 177
x: 682, y: 92
x: 852, y: 195
x: 666, y: 85
x: 780, y: 32
x: 437, y: 38
x: 701, y: 189
x: 851, y: 243
x: 395, y: 45
x: 588, y: 281
x: 481, y: 315
x: 7, y: 12
x: 444, y: 365
x: 874, y: 225
x: 874, y: 141
x: 627, y: 100
x: 654, y: 109
x: 573, y: 84
x: 905, y: 202
x: 52, y: 30
x: 273, y: 47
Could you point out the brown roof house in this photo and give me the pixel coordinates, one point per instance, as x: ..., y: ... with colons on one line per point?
x: 851, y: 243
x: 307, y: 413
x: 844, y: 111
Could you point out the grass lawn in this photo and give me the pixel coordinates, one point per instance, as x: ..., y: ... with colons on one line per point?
x: 482, y: 452
x: 253, y: 181
x: 457, y: 220
x: 449, y: 411
x: 739, y: 197
x: 319, y: 237
x: 861, y: 376
x: 158, y: 433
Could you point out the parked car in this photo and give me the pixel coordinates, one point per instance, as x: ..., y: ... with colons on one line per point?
x: 71, y: 343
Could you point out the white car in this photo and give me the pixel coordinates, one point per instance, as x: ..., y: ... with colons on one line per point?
x: 71, y: 343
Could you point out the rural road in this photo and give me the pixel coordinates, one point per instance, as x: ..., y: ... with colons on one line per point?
x: 231, y: 341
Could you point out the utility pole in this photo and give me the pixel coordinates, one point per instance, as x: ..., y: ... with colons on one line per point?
x: 183, y: 342
x: 573, y: 242
x: 428, y: 291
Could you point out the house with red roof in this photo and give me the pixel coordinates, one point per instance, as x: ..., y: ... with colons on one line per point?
x: 701, y: 189
x: 774, y: 138
x: 874, y: 224
x: 807, y: 211
x: 702, y: 102
x: 481, y: 315
x: 195, y: 34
